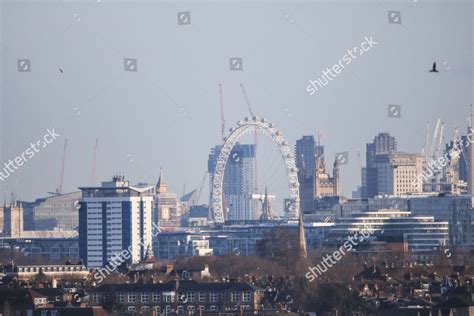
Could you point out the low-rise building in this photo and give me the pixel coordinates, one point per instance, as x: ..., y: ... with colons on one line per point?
x: 184, y: 297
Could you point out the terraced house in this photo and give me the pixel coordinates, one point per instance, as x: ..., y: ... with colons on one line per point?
x: 179, y: 297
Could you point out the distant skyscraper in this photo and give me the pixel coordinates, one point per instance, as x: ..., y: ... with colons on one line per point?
x: 239, y: 178
x: 397, y: 173
x: 113, y: 218
x: 307, y: 151
x: 383, y: 144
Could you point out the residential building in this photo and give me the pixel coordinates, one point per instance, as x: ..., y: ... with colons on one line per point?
x: 181, y: 297
x: 112, y: 218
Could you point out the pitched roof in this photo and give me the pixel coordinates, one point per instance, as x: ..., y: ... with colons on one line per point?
x: 183, y: 285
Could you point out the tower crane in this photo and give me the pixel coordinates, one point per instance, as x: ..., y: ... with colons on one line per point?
x: 255, y: 137
x: 59, y: 190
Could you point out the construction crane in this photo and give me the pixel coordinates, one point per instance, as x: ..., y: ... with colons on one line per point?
x: 59, y: 191
x: 198, y: 197
x: 432, y: 152
x: 94, y: 160
x: 255, y: 136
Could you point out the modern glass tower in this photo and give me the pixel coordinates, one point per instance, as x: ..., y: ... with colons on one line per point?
x: 239, y: 178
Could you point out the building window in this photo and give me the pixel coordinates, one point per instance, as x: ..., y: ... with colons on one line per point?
x: 156, y: 297
x: 191, y: 310
x: 96, y: 297
x: 213, y: 308
x: 247, y: 296
x: 181, y: 297
x: 132, y: 309
x: 234, y: 296
x: 145, y: 298
x: 202, y: 297
x: 167, y: 298
x: 191, y: 297
x: 132, y: 297
x: 121, y: 297
x: 214, y: 296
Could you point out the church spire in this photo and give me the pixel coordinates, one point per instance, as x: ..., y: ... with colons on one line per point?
x: 266, y: 210
x: 301, y: 238
x: 161, y: 186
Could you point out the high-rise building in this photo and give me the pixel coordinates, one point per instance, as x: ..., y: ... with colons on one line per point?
x: 307, y: 151
x: 397, y: 173
x: 383, y: 144
x: 239, y: 181
x: 168, y: 208
x: 113, y: 218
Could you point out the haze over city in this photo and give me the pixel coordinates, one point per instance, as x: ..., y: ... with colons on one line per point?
x: 167, y: 113
x: 238, y: 158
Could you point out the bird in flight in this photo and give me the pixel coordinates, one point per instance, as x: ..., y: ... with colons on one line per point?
x: 434, y: 68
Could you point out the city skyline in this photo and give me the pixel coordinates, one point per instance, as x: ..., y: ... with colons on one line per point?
x: 175, y: 124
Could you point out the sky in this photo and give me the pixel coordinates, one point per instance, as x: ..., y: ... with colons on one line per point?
x: 167, y: 113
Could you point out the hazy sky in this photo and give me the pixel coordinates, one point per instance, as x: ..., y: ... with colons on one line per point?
x: 167, y: 113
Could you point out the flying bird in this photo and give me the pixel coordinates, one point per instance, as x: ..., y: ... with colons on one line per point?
x: 61, y: 70
x: 434, y: 68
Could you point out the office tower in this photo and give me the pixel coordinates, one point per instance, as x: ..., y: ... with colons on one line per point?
x: 168, y: 208
x: 383, y: 144
x: 306, y: 192
x: 113, y: 218
x: 398, y: 173
x: 306, y: 152
x: 239, y: 178
x: 12, y: 220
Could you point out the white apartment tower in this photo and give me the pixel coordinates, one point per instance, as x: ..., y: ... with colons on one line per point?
x: 112, y: 218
